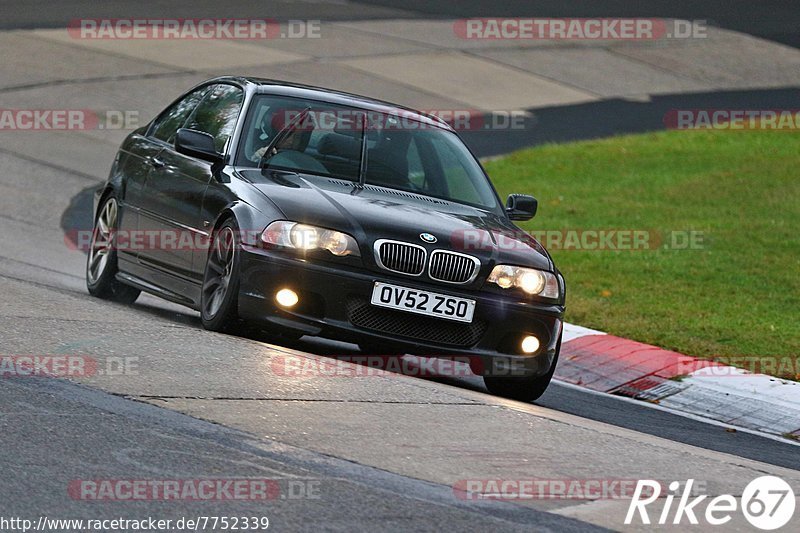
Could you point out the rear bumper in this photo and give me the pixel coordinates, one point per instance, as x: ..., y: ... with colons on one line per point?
x: 334, y: 303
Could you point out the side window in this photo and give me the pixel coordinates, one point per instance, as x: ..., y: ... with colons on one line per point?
x: 217, y: 114
x: 173, y: 118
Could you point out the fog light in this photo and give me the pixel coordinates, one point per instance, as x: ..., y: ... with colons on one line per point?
x: 288, y: 298
x: 530, y: 344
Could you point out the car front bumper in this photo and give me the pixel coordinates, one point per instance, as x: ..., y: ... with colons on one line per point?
x: 334, y: 303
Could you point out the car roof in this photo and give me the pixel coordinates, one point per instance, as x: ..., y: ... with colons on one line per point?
x: 298, y: 90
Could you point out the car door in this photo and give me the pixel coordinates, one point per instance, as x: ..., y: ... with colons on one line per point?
x: 173, y: 194
x: 142, y: 155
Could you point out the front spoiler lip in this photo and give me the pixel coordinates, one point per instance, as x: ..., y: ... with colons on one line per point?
x: 494, y: 363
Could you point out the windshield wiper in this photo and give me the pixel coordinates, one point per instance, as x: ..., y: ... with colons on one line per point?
x: 281, y: 135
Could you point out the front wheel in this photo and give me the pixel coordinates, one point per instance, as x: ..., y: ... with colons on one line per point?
x: 219, y: 300
x: 101, y: 261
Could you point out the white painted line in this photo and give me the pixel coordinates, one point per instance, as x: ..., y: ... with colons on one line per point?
x: 683, y: 414
x: 735, y: 396
x: 742, y: 382
x: 573, y: 331
x: 724, y: 395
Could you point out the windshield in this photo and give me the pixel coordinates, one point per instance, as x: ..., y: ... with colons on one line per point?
x: 326, y: 139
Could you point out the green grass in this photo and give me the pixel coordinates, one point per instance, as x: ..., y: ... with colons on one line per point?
x: 739, y: 295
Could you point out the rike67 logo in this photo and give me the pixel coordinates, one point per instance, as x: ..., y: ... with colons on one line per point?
x: 767, y: 503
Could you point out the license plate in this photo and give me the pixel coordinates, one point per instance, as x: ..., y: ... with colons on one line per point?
x: 423, y: 302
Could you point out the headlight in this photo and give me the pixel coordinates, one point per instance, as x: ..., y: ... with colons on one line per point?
x: 305, y: 237
x: 530, y: 280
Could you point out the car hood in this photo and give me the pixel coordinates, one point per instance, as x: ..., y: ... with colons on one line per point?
x: 374, y: 213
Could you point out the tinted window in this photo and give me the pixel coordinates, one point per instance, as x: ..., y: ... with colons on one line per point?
x: 327, y: 139
x: 173, y: 118
x: 217, y: 114
x: 455, y: 167
x: 416, y: 172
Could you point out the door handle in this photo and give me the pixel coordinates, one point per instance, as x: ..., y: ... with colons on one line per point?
x: 155, y: 162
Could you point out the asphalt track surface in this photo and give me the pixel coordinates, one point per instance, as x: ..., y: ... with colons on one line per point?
x: 776, y: 20
x: 138, y: 441
x: 55, y: 430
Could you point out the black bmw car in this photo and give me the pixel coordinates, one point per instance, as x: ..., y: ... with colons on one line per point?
x: 308, y: 211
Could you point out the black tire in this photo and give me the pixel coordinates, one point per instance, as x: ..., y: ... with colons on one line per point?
x: 101, y: 261
x: 523, y: 389
x: 219, y: 300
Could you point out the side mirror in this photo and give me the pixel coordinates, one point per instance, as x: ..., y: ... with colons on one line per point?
x: 197, y: 144
x: 521, y: 206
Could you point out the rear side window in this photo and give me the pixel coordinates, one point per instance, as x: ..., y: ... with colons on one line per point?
x: 173, y: 118
x: 217, y: 114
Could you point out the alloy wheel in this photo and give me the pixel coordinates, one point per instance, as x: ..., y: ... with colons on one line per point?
x: 102, y: 241
x: 219, y: 272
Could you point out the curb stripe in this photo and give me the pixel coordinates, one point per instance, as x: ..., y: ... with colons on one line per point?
x: 607, y: 362
x: 610, y: 364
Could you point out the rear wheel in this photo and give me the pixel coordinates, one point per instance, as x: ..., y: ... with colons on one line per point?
x: 101, y: 261
x: 523, y: 389
x: 220, y: 294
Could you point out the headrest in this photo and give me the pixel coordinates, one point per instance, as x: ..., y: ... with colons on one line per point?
x: 284, y: 115
x: 339, y: 145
